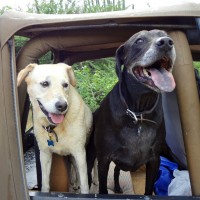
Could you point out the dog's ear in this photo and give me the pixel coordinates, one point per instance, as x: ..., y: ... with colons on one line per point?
x: 70, y: 73
x: 23, y: 73
x: 119, y: 59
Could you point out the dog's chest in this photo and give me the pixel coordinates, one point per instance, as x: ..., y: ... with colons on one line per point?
x: 135, y: 146
x: 141, y: 137
x: 67, y: 141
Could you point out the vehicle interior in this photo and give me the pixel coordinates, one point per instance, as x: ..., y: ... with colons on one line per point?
x: 80, y: 37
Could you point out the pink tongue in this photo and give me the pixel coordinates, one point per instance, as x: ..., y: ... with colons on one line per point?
x: 163, y: 79
x: 57, y: 119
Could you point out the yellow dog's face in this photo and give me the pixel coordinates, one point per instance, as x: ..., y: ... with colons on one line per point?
x: 48, y: 87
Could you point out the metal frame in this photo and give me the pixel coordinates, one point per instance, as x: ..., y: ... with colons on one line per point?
x: 13, y: 183
x: 58, y: 196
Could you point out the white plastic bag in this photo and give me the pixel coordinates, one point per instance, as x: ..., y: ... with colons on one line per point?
x: 180, y: 185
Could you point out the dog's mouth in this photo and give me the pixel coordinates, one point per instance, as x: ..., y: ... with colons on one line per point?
x: 157, y: 76
x: 53, y: 118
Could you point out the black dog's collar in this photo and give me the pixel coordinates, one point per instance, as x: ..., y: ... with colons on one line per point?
x: 137, y: 116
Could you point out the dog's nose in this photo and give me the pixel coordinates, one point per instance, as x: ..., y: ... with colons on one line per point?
x: 61, y: 106
x: 164, y: 43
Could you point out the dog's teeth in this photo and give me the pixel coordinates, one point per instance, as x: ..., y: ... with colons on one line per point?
x: 145, y: 72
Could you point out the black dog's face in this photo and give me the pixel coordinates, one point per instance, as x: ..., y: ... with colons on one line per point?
x: 149, y: 57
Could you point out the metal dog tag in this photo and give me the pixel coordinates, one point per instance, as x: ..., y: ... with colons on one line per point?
x: 50, y: 142
x: 139, y: 130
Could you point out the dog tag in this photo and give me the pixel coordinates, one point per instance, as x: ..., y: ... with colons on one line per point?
x: 50, y: 141
x: 139, y: 130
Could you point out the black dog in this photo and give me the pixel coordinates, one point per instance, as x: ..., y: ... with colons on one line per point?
x: 128, y: 126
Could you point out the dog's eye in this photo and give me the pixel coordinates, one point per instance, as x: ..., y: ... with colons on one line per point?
x: 44, y: 84
x: 65, y: 85
x: 139, y: 41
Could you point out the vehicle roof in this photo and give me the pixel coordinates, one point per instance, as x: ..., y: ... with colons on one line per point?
x: 29, y: 25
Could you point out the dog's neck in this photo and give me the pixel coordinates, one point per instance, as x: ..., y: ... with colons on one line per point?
x: 138, y: 97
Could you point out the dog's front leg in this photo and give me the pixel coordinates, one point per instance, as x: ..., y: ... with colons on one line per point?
x: 117, y: 187
x: 74, y: 177
x: 45, y: 160
x: 80, y: 157
x: 103, y: 167
x: 152, y: 169
x: 95, y: 179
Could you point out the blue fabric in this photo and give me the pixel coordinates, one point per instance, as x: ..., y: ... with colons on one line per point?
x: 165, y: 176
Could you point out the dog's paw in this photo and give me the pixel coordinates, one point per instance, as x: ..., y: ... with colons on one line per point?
x: 85, y: 190
x: 118, y: 190
x: 45, y: 189
x: 95, y: 181
x: 75, y: 187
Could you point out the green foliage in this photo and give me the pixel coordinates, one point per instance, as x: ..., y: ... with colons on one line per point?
x: 47, y: 58
x: 197, y: 65
x: 93, y: 6
x: 75, y: 6
x: 2, y: 10
x: 95, y: 79
x: 71, y: 6
x: 19, y: 42
x: 54, y: 7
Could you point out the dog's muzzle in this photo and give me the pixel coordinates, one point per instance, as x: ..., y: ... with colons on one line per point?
x: 54, y: 118
x: 158, y: 75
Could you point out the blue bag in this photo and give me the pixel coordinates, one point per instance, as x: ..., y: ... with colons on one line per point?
x: 165, y: 176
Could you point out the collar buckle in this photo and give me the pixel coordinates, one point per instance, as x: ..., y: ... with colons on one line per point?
x: 138, y: 117
x: 132, y: 115
x: 50, y: 129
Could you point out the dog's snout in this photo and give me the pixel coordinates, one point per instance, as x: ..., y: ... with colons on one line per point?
x: 164, y: 43
x: 61, y: 106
